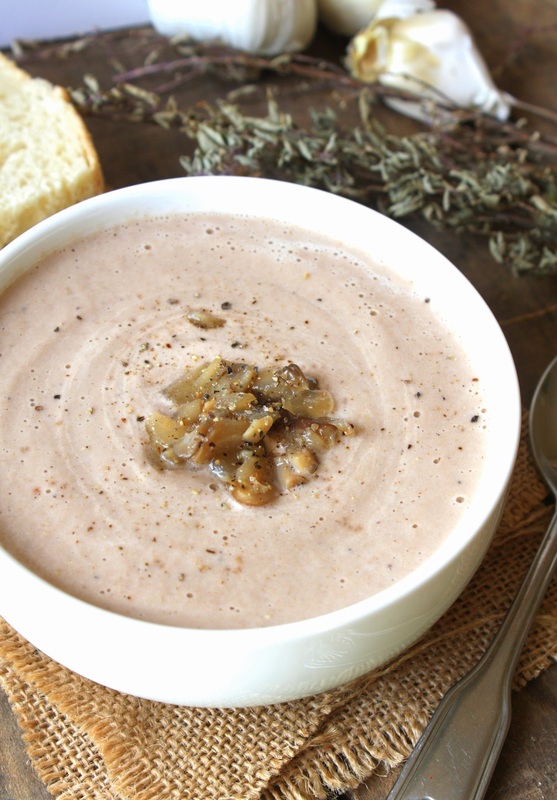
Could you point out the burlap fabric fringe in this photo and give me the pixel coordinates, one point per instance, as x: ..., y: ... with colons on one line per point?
x: 90, y: 743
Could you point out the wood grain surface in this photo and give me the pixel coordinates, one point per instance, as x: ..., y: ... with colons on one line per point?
x: 518, y: 41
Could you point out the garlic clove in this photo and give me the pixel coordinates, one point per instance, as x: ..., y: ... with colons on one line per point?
x: 347, y: 17
x: 431, y: 55
x: 266, y: 27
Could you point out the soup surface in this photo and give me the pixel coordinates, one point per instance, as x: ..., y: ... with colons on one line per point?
x: 91, y: 336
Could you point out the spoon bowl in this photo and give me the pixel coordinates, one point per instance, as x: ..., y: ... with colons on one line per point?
x: 543, y: 426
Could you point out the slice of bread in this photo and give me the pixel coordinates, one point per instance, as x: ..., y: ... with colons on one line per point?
x: 47, y: 158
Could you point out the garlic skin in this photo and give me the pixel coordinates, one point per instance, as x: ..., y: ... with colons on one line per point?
x: 348, y: 17
x: 431, y: 55
x: 264, y: 27
x: 402, y: 8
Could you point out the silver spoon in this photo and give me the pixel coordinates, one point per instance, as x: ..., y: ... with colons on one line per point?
x: 458, y: 751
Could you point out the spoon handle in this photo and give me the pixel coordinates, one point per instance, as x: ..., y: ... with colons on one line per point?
x: 459, y: 748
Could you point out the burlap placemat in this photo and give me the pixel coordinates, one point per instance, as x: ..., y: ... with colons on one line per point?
x: 90, y: 743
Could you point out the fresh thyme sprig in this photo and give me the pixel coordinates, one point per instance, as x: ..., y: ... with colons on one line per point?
x: 480, y: 177
x: 465, y: 172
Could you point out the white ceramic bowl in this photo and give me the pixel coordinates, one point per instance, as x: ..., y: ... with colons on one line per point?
x: 278, y: 663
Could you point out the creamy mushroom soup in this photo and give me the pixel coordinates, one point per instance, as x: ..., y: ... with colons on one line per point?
x: 91, y: 337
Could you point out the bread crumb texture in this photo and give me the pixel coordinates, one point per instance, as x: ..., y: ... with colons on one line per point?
x: 47, y: 159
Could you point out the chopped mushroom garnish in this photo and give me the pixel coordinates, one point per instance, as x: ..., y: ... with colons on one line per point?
x: 260, y: 431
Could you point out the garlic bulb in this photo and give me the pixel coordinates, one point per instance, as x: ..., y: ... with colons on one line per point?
x: 431, y: 55
x: 347, y: 17
x: 267, y: 27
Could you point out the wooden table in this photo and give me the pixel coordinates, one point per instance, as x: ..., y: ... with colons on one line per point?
x: 521, y: 40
